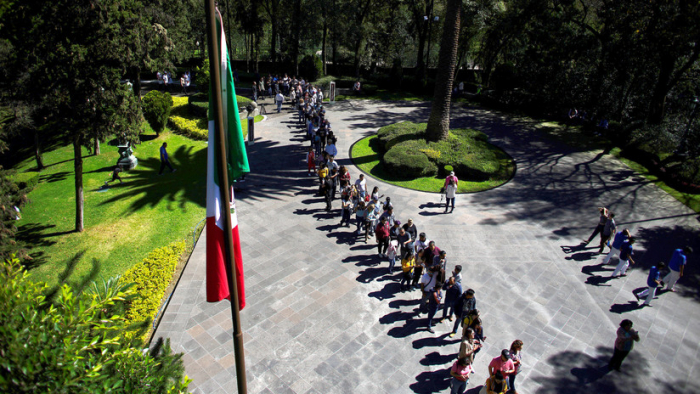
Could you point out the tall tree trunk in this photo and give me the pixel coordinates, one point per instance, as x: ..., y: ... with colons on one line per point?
x: 356, y: 62
x: 296, y: 35
x: 97, y: 146
x: 334, y: 58
x: 657, y: 105
x: 439, y: 121
x: 78, y: 167
x: 257, y: 52
x: 137, y: 82
x: 420, y: 63
x: 37, y: 151
x: 273, y: 41
x: 323, y: 46
x: 247, y: 53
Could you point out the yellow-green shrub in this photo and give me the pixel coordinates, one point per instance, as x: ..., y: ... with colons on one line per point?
x: 151, y: 278
x: 197, y: 129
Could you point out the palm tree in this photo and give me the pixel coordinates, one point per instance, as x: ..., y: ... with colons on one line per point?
x: 439, y: 121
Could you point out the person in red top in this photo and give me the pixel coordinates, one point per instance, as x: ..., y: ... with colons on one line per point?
x: 502, y: 363
x: 311, y: 161
x: 382, y: 234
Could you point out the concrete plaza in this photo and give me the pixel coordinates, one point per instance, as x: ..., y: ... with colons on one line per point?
x: 323, y: 316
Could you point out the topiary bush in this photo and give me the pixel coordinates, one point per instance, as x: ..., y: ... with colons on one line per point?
x: 393, y: 134
x: 467, y: 151
x: 311, y: 67
x: 151, y: 278
x: 26, y: 181
x: 156, y: 109
x: 407, y: 160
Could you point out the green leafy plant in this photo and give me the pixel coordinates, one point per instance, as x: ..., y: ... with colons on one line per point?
x: 156, y: 109
x: 72, y: 342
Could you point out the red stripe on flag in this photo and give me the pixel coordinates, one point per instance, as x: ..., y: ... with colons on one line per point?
x: 217, y: 285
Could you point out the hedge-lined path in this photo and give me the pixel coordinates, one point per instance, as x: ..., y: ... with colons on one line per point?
x: 322, y: 316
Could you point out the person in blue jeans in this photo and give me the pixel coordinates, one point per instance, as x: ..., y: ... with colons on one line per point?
x: 434, y: 300
x: 460, y: 372
x: 164, y: 160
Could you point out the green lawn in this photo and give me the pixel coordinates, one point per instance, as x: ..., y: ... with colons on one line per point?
x: 122, y: 223
x: 366, y: 157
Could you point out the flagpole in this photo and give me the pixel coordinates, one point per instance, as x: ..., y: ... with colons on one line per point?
x: 230, y: 261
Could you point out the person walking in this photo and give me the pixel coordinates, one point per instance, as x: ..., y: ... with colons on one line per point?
x: 115, y: 175
x: 620, y: 237
x: 626, y: 336
x: 625, y: 258
x: 653, y: 281
x: 164, y: 160
x: 676, y: 266
x: 516, y: 356
x: 601, y: 225
x: 608, y: 231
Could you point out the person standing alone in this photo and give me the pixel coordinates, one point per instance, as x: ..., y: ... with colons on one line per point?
x: 626, y: 336
x: 164, y: 160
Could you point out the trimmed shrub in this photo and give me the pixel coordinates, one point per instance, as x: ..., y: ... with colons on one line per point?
x: 151, y: 278
x: 393, y: 134
x: 467, y: 151
x: 156, y: 109
x: 311, y: 67
x: 199, y: 104
x: 408, y: 161
x: 26, y: 181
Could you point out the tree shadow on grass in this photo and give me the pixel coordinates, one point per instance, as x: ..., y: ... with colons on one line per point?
x: 577, y: 372
x: 146, y: 189
x: 34, y: 235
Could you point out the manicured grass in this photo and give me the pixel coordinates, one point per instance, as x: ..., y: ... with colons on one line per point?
x: 576, y: 137
x: 692, y: 201
x: 366, y: 156
x: 124, y: 222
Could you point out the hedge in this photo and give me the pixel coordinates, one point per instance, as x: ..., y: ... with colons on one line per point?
x: 151, y: 277
x: 199, y: 104
x: 26, y: 181
x: 409, y: 155
x: 181, y: 120
x: 408, y: 161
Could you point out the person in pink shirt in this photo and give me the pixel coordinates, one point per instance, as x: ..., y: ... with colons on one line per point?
x: 502, y: 363
x: 451, y: 177
x: 460, y: 375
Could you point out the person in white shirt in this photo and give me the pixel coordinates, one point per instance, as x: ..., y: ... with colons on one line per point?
x: 361, y: 185
x: 450, y: 192
x: 279, y: 99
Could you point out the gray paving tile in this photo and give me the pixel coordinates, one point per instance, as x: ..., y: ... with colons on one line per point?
x: 314, y: 323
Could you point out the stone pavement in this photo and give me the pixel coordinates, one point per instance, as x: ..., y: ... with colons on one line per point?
x: 323, y: 316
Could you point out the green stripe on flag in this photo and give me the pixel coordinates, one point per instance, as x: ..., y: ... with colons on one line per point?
x: 237, y: 158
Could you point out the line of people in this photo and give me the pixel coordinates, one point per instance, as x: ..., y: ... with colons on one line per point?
x: 423, y: 264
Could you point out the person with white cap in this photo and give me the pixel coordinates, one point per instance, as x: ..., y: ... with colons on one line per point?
x: 451, y: 177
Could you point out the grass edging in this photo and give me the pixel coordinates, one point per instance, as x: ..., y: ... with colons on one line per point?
x: 691, y: 201
x: 427, y: 184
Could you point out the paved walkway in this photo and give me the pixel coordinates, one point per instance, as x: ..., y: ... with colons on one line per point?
x: 323, y: 316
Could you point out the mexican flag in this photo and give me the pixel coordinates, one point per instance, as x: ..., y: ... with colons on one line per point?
x: 237, y: 162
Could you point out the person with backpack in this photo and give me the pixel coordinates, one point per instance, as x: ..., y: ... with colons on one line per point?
x: 452, y: 294
x: 463, y: 307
